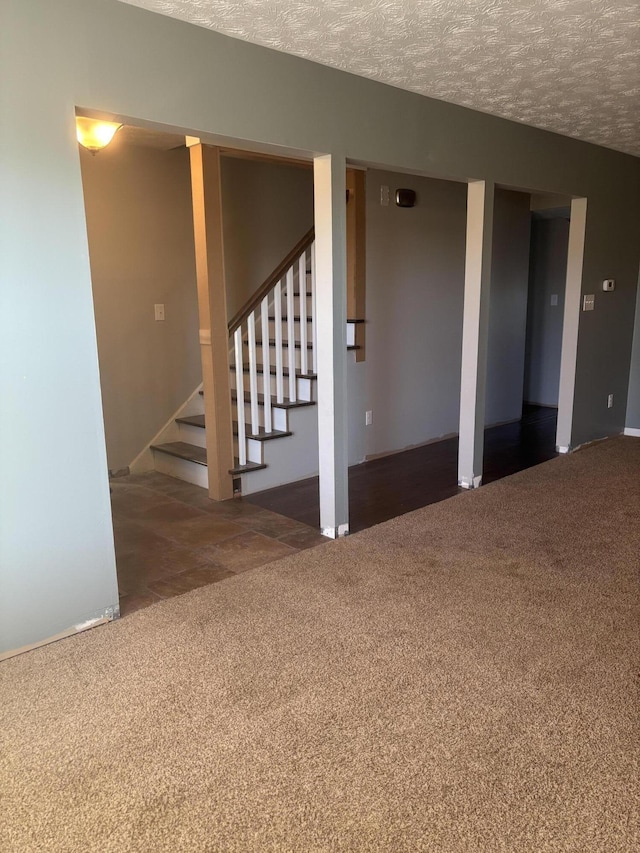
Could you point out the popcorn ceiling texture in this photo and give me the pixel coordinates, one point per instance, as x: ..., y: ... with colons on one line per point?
x: 569, y: 66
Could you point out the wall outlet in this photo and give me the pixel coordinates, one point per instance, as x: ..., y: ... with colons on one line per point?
x: 554, y: 299
x: 610, y: 401
x: 384, y: 195
x: 368, y: 418
x: 588, y: 302
x: 159, y: 311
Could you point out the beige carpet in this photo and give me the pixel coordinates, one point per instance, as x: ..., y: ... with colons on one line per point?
x: 463, y: 678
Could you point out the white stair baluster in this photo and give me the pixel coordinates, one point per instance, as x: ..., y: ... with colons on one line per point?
x: 302, y: 296
x: 291, y: 336
x: 253, y: 373
x: 277, y: 305
x: 314, y: 339
x: 242, y: 443
x: 266, y: 364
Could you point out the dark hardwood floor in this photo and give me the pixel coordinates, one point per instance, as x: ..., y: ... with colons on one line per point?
x: 384, y: 488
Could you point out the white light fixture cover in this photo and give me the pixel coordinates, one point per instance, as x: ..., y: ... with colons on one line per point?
x: 94, y: 134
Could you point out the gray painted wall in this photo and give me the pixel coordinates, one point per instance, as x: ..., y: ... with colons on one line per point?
x: 633, y: 403
x: 140, y: 228
x: 56, y: 548
x: 605, y: 334
x: 507, y: 307
x: 267, y: 208
x: 547, y: 277
x: 415, y: 285
x: 415, y: 289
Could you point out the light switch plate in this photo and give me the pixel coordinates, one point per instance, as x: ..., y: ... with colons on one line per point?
x: 554, y: 299
x: 159, y: 311
x: 588, y: 302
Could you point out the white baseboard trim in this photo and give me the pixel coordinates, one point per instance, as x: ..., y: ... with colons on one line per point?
x: 371, y: 456
x: 336, y: 532
x: 562, y: 449
x: 466, y: 483
x: 632, y: 431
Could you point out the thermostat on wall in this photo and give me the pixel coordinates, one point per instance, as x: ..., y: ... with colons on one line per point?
x: 609, y: 284
x: 405, y: 198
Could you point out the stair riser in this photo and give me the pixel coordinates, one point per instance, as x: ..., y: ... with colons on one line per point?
x: 351, y: 331
x: 192, y: 435
x: 285, y: 356
x: 198, y: 436
x: 303, y: 386
x: 191, y: 472
x: 296, y: 299
x: 285, y: 331
x: 296, y: 305
x: 254, y: 449
x: 296, y: 277
x: 279, y: 418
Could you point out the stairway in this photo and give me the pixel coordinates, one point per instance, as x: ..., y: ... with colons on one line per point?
x: 272, y: 363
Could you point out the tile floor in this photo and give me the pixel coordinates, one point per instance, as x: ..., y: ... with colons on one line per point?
x: 170, y: 538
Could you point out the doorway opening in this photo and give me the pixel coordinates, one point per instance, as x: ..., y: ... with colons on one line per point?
x: 169, y: 537
x: 528, y: 280
x: 387, y: 400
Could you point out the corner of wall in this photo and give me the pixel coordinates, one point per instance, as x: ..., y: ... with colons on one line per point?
x: 632, y: 421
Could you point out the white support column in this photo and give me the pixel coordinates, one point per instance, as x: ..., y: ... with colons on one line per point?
x: 475, y: 333
x: 329, y: 174
x: 571, y: 320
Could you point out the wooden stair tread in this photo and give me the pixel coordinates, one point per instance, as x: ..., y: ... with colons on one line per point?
x: 192, y: 420
x: 285, y: 343
x: 191, y: 453
x: 245, y: 469
x: 286, y: 404
x: 355, y: 321
x: 182, y: 450
x: 272, y: 371
x: 261, y: 435
x: 296, y: 318
x: 353, y: 346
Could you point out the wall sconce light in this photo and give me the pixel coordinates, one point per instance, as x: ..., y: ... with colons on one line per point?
x: 95, y: 135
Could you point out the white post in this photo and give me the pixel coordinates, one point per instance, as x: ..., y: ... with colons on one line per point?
x: 475, y: 332
x: 277, y: 306
x: 253, y: 373
x: 291, y: 336
x: 266, y: 364
x: 242, y: 443
x: 302, y: 296
x: 314, y: 331
x: 570, y: 322
x: 329, y: 173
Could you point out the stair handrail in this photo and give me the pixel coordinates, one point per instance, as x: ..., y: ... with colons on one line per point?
x: 269, y: 283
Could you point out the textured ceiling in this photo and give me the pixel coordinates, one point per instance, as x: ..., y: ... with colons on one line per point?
x: 147, y: 138
x: 571, y: 66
